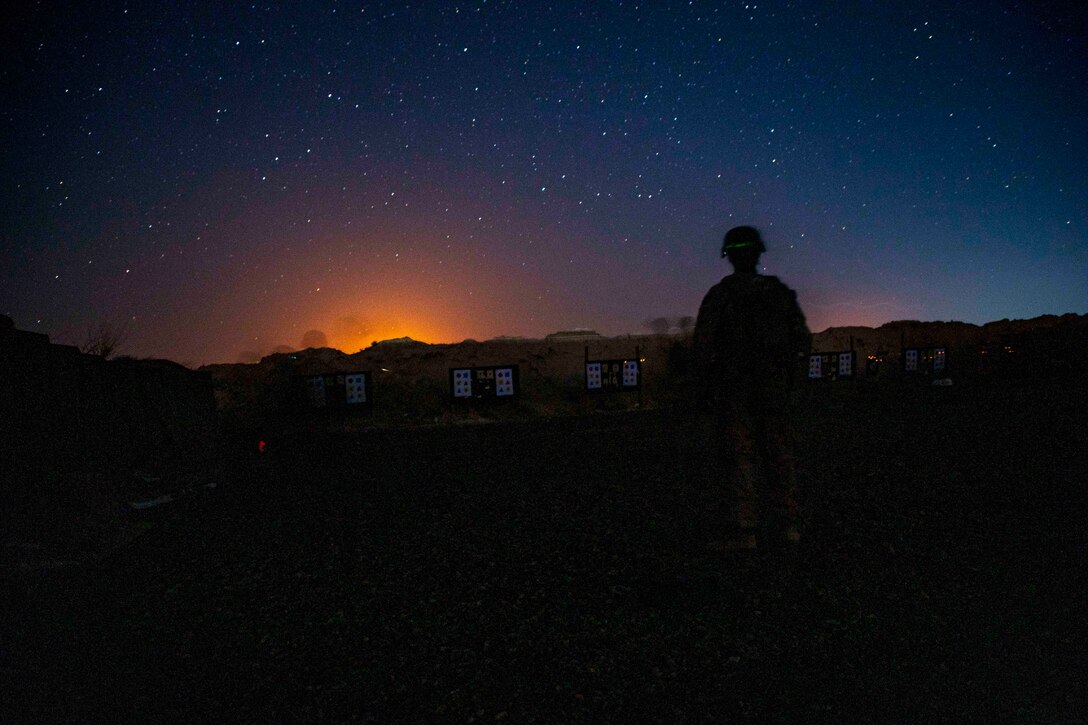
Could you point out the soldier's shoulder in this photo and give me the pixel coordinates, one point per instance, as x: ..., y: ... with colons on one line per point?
x: 770, y: 282
x: 719, y: 289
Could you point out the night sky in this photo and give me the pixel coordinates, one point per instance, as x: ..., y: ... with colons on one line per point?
x: 220, y: 182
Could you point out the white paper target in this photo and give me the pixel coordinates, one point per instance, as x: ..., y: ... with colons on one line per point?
x: 504, y: 382
x: 355, y: 388
x: 815, y: 366
x: 846, y: 364
x: 593, y: 376
x: 630, y: 373
x: 316, y: 390
x: 462, y: 383
x: 912, y: 360
x: 938, y: 359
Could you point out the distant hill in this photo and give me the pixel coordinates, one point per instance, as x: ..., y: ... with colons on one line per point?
x: 1058, y: 334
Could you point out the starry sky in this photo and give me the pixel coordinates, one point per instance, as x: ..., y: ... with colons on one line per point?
x: 222, y: 180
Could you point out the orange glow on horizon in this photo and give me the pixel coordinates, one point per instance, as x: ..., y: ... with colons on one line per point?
x: 420, y: 332
x: 351, y: 325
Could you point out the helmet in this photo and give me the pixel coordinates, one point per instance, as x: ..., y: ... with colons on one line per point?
x: 742, y: 238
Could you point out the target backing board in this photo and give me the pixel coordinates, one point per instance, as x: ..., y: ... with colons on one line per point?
x: 339, y: 390
x: 497, y: 382
x: 613, y: 375
x: 925, y: 360
x: 831, y: 365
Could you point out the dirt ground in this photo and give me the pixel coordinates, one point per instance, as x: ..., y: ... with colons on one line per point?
x: 554, y: 571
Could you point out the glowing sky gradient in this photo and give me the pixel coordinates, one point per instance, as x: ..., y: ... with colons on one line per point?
x: 226, y: 180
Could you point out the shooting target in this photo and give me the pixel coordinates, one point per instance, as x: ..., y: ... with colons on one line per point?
x: 815, y: 367
x: 938, y: 360
x: 355, y: 388
x: 846, y: 364
x: 504, y: 381
x: 612, y: 375
x: 462, y: 383
x: 593, y: 376
x: 911, y: 363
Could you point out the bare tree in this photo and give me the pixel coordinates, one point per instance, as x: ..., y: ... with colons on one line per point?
x: 658, y: 325
x: 104, y: 339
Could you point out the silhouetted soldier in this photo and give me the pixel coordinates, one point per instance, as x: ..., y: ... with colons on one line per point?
x: 748, y: 337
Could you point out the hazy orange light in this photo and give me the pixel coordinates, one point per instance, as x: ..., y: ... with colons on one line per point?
x: 416, y: 331
x: 388, y: 307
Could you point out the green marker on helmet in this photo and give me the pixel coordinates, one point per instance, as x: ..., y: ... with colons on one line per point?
x: 744, y: 237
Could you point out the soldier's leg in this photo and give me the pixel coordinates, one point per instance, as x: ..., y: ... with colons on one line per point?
x: 782, y: 479
x: 775, y: 441
x: 741, y: 471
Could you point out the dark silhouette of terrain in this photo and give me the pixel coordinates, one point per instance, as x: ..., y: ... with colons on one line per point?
x: 550, y: 570
x: 82, y: 434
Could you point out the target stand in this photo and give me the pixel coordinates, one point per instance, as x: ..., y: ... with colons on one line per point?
x: 614, y: 376
x: 339, y: 391
x: 925, y: 361
x: 832, y: 365
x: 494, y: 383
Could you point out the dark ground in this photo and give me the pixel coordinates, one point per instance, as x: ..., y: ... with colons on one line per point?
x: 552, y: 571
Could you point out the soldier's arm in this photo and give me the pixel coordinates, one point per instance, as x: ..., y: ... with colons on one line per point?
x: 703, y: 351
x: 802, y: 337
x: 700, y: 335
x: 797, y: 327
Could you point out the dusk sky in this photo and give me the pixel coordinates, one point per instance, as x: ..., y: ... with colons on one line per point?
x: 221, y: 179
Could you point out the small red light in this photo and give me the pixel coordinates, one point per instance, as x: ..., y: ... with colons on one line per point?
x: 260, y: 446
